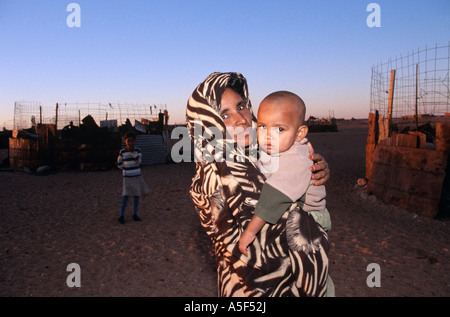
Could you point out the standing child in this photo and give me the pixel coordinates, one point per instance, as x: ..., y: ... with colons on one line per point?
x: 129, y: 161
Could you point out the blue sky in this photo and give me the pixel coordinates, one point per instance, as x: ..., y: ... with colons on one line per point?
x: 156, y: 52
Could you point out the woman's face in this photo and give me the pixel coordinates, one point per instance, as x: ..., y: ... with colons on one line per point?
x: 236, y: 116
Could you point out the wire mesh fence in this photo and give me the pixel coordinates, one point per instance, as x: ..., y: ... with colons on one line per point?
x: 415, y: 85
x: 28, y: 113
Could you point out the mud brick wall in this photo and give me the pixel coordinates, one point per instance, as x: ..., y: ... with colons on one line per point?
x: 408, y: 177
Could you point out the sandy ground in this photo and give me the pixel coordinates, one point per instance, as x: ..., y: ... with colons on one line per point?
x: 48, y: 222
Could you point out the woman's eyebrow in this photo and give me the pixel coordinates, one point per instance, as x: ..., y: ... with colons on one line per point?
x: 242, y: 102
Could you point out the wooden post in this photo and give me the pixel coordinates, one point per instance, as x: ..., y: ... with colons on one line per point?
x: 372, y: 140
x: 56, y: 119
x: 417, y: 115
x: 391, y: 99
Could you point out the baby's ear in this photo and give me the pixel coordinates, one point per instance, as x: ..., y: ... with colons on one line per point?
x: 301, y: 133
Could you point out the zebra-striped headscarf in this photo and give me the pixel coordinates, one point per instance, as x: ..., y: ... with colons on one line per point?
x: 206, y: 126
x: 225, y: 192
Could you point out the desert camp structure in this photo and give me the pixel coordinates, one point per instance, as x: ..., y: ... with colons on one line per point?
x: 84, y: 137
x: 408, y: 144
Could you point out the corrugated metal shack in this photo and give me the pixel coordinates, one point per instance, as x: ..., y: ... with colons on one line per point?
x: 153, y: 147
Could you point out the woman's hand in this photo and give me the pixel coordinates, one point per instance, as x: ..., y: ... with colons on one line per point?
x: 320, y: 170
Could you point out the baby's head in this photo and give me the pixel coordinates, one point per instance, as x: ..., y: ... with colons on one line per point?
x: 281, y: 117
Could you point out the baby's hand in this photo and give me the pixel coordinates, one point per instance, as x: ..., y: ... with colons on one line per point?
x: 244, y: 242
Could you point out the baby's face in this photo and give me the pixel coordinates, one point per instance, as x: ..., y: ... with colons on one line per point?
x: 277, y: 126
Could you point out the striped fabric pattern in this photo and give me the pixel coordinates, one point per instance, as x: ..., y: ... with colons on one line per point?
x: 225, y: 193
x: 129, y: 162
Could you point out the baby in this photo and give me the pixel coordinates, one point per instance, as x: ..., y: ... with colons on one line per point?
x: 285, y: 163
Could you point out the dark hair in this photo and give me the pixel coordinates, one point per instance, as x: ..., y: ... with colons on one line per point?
x: 237, y: 84
x: 128, y: 135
